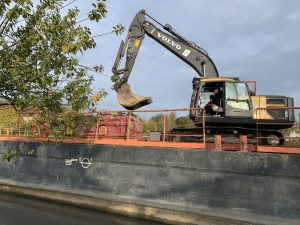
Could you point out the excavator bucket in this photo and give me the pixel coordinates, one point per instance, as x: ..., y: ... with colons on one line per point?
x: 130, y: 100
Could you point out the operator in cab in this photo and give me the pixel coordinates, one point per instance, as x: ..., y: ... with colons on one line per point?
x: 216, y: 98
x: 215, y: 103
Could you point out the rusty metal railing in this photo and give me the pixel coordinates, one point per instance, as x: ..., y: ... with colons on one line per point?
x: 123, y: 127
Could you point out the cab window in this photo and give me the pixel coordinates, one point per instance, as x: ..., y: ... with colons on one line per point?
x: 236, y: 91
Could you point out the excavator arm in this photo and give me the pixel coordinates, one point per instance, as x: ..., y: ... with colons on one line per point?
x: 188, y: 51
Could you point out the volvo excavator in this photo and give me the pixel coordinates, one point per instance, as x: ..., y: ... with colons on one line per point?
x: 227, y: 103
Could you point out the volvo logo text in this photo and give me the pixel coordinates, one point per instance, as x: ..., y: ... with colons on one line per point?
x: 168, y: 40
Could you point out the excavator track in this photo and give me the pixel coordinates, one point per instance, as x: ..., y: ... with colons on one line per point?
x: 229, y: 135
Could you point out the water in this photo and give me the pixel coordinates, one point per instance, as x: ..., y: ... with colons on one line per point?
x: 16, y: 210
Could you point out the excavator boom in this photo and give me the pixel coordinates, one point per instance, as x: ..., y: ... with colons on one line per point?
x: 188, y: 51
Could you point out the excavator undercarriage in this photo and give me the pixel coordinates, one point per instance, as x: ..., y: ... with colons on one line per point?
x: 230, y: 135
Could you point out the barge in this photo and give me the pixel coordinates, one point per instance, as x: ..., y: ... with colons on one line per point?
x: 156, y: 179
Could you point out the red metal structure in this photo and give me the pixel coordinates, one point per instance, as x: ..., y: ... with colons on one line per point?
x: 114, y: 125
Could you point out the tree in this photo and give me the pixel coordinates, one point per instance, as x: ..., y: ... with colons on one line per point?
x: 184, y: 122
x: 171, y: 119
x: 156, y: 123
x: 8, y: 117
x: 39, y: 48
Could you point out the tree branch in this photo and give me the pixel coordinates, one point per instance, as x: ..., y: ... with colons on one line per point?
x: 67, y: 4
x: 7, y: 19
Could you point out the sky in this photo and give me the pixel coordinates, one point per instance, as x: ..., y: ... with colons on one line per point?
x: 250, y: 39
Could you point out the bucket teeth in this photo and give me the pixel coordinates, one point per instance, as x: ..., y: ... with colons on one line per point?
x: 130, y: 100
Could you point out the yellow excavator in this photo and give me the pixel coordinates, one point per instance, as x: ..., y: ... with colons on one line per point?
x: 229, y: 106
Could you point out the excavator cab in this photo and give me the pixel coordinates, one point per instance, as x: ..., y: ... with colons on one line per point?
x: 221, y: 97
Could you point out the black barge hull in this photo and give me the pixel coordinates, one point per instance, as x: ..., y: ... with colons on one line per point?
x: 179, y: 185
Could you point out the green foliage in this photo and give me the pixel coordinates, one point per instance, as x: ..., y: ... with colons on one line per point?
x: 171, y: 121
x: 115, y: 78
x: 99, y: 11
x: 99, y: 69
x: 119, y: 29
x: 8, y: 117
x: 156, y: 123
x: 9, y: 155
x: 184, y: 122
x: 39, y: 66
x: 149, y: 126
x: 286, y: 132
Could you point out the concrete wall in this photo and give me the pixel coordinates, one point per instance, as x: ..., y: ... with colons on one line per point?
x: 254, y: 187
